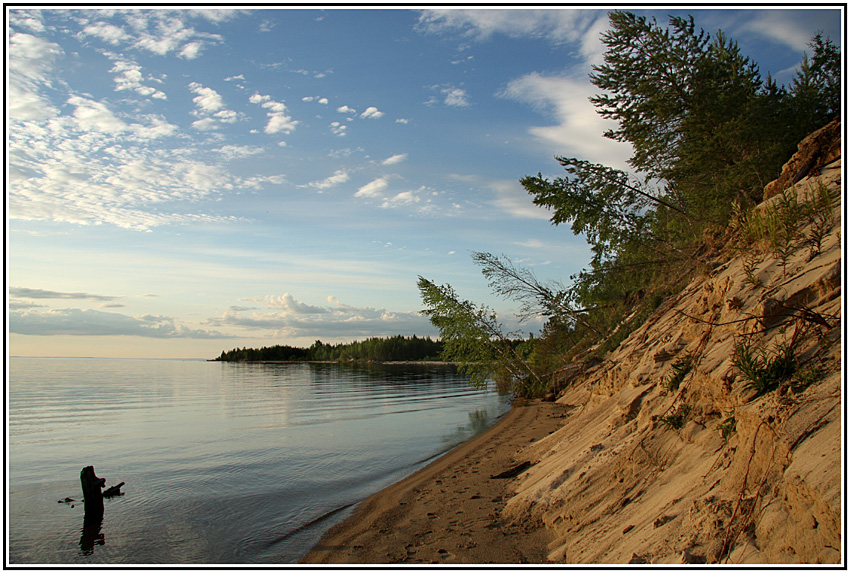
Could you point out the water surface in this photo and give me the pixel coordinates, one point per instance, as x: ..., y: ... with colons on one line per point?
x: 224, y: 463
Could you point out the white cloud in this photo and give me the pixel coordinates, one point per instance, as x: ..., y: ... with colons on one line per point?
x: 275, y: 106
x: 37, y: 293
x: 557, y: 25
x: 87, y: 322
x: 239, y: 151
x: 509, y: 196
x: 340, y: 176
x: 226, y: 116
x: 373, y: 188
x: 205, y: 124
x: 28, y: 19
x: 346, y: 109
x: 323, y: 101
x: 31, y: 61
x: 165, y: 32
x: 95, y: 116
x: 451, y: 96
x: 338, y: 129
x: 267, y: 25
x: 580, y: 27
x: 161, y: 32
x: 129, y: 77
x: 191, y: 50
x: 372, y: 113
x: 278, y: 120
x: 401, y: 199
x: 456, y: 97
x: 402, y: 120
x: 578, y: 131
x: 109, y: 33
x: 394, y: 159
x: 286, y: 302
x: 208, y: 100
x: 781, y: 26
x: 532, y: 244
x: 291, y: 318
x: 92, y: 167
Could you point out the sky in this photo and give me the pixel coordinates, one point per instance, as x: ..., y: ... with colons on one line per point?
x: 186, y: 181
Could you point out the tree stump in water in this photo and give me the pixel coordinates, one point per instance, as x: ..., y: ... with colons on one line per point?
x: 92, y: 494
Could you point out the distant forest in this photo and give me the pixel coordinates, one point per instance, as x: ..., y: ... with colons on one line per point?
x: 393, y: 349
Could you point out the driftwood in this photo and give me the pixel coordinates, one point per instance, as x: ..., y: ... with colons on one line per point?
x: 513, y: 472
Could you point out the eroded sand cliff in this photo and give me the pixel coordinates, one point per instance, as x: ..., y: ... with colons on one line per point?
x: 620, y: 482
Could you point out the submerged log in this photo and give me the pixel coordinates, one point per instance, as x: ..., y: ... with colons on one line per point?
x: 114, y: 490
x: 92, y: 494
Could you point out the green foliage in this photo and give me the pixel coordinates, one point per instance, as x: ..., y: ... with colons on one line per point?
x: 395, y: 348
x: 764, y: 371
x: 817, y: 87
x: 803, y: 378
x: 608, y: 206
x: 647, y: 77
x: 473, y: 337
x: 820, y: 217
x: 727, y: 427
x: 777, y: 229
x: 696, y: 111
x: 681, y: 367
x: 708, y: 130
x: 677, y: 418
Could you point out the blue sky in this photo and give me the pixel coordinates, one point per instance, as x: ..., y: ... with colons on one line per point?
x: 184, y: 181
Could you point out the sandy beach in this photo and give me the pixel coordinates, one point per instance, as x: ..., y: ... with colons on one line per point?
x: 451, y: 510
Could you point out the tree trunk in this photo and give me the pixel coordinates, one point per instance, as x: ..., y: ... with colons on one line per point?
x: 92, y: 494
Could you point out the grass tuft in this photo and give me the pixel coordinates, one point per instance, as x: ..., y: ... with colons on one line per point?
x: 764, y: 371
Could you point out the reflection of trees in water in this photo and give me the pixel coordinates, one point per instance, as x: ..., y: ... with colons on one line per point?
x: 479, y: 420
x: 385, y: 375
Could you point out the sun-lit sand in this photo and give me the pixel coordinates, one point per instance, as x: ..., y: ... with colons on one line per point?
x: 450, y: 511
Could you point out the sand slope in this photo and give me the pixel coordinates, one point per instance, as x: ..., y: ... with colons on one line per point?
x: 616, y: 484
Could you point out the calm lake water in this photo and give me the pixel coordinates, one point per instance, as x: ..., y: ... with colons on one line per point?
x: 224, y: 463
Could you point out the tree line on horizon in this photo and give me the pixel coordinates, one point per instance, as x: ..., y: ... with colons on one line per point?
x: 391, y: 349
x: 708, y: 133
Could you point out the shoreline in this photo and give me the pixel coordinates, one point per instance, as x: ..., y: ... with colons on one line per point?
x: 450, y: 511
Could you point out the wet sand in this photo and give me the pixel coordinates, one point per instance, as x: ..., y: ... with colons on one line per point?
x: 451, y: 510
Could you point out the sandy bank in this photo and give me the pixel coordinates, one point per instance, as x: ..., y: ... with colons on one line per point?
x: 451, y: 510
